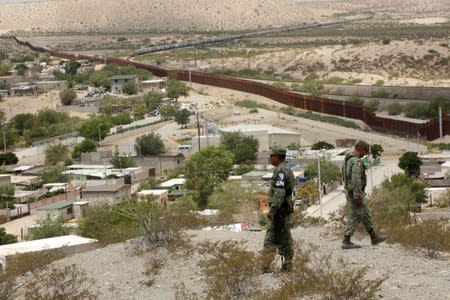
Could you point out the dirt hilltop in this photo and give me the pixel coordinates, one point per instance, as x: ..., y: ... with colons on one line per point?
x: 139, y: 15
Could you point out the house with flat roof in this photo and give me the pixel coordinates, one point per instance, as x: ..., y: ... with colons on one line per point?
x: 162, y: 196
x: 69, y: 244
x: 173, y: 184
x: 118, y: 81
x: 62, y: 209
x: 266, y: 135
x: 111, y: 193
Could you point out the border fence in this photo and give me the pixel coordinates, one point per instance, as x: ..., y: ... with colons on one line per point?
x: 429, y: 130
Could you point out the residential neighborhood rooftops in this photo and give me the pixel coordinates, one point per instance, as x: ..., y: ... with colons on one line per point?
x: 80, y: 167
x: 23, y: 168
x: 44, y: 244
x: 119, y: 77
x: 57, y: 205
x: 104, y: 188
x: 173, y: 182
x: 152, y: 192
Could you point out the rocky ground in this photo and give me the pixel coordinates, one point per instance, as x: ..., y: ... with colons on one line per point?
x: 120, y: 274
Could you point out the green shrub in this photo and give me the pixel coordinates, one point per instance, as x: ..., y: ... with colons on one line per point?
x: 247, y: 103
x: 47, y: 228
x: 105, y: 223
x: 430, y: 237
x: 394, y: 109
x: 60, y: 283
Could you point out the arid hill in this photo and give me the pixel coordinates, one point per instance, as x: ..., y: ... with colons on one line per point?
x: 132, y: 15
x: 157, y: 15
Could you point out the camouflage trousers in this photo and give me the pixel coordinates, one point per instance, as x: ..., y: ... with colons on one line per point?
x: 357, y: 214
x: 278, y: 236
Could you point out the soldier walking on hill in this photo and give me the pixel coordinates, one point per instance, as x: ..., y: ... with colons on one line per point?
x: 354, y: 176
x: 278, y: 235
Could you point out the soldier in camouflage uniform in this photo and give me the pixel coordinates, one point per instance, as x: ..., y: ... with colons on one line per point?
x: 278, y: 235
x: 354, y: 176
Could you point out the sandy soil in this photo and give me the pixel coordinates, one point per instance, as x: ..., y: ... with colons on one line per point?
x: 120, y: 274
x: 121, y: 16
x: 426, y: 21
x: 29, y: 104
x: 397, y: 64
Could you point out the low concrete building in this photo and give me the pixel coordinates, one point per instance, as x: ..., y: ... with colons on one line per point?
x: 46, y: 86
x: 154, y: 85
x: 5, y: 179
x: 106, y: 193
x: 266, y: 135
x: 162, y: 196
x: 118, y: 81
x: 68, y: 244
x: 79, y: 208
x: 173, y: 184
x: 62, y: 209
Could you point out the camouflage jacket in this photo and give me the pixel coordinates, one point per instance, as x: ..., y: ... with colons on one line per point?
x: 354, y: 176
x: 281, y: 188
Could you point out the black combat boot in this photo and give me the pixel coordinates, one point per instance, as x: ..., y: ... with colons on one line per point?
x: 347, y: 244
x: 286, y: 266
x: 375, y: 239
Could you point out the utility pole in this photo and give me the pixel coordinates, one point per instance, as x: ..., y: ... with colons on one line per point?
x: 4, y: 139
x: 320, y: 183
x: 198, y: 132
x: 195, y: 56
x: 441, y: 134
x: 99, y: 133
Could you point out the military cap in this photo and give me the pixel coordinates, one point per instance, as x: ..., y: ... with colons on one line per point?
x: 278, y: 151
x: 362, y: 144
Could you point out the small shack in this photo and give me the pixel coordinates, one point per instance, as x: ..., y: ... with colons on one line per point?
x: 118, y: 81
x: 111, y: 193
x: 62, y: 209
x: 162, y: 196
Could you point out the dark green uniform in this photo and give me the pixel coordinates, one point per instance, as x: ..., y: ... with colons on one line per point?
x: 355, y: 180
x: 278, y: 235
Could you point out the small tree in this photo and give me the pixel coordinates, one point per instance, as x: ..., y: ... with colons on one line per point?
x: 308, y: 191
x: 167, y: 111
x: 410, y: 162
x: 149, y: 144
x: 322, y: 145
x: 129, y: 88
x: 47, y: 228
x: 87, y: 145
x: 328, y: 171
x: 122, y: 161
x: 153, y: 100
x: 72, y: 67
x: 376, y: 150
x: 8, y: 158
x: 139, y: 111
x: 6, y: 238
x: 56, y: 154
x: 21, y: 69
x: 176, y: 88
x: 182, y: 117
x: 205, y: 170
x: 394, y: 109
x: 67, y: 96
x: 244, y: 148
x: 7, y: 196
x: 95, y: 129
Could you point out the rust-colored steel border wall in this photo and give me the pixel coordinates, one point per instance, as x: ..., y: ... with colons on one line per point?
x: 430, y: 129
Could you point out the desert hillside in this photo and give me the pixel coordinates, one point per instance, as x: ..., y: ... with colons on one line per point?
x: 138, y: 15
x: 122, y: 16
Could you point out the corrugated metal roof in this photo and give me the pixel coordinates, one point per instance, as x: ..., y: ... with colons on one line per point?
x: 57, y: 205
